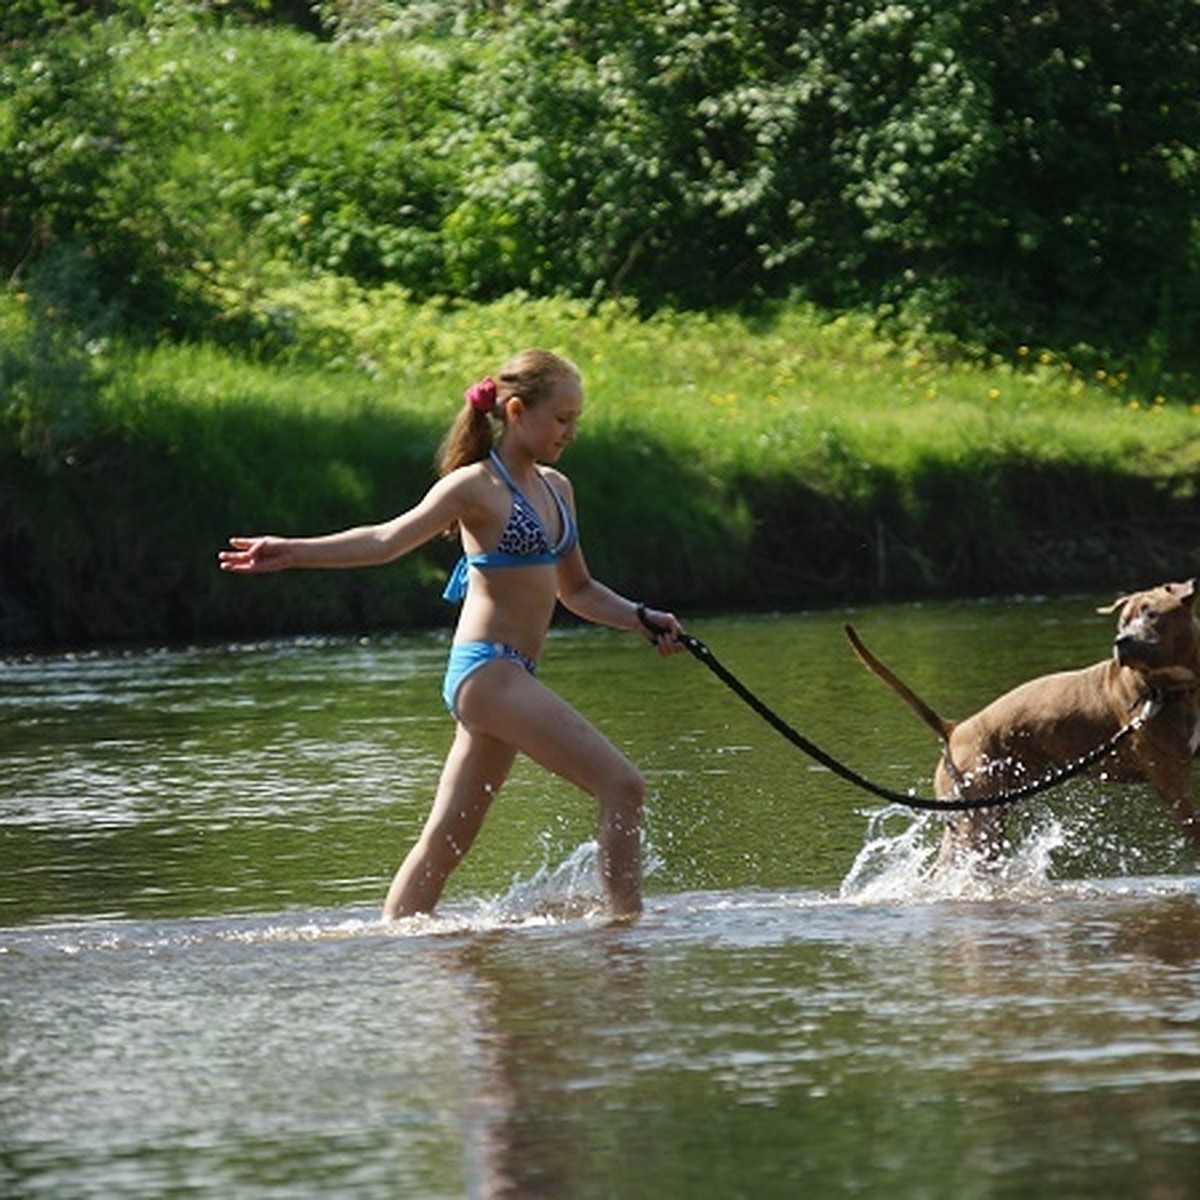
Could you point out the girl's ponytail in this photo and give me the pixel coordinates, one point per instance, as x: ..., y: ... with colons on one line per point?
x: 471, y: 436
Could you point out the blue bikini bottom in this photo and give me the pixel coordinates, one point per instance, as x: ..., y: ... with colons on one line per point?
x: 468, y: 657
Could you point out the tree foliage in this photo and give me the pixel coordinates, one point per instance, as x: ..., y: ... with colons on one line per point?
x: 1010, y: 171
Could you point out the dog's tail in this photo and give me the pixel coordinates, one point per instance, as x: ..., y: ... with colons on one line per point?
x: 937, y: 723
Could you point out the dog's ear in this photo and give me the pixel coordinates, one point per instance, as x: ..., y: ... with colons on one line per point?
x: 1185, y: 592
x: 1112, y: 608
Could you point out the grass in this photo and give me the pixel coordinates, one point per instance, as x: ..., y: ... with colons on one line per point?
x: 723, y: 460
x: 728, y: 384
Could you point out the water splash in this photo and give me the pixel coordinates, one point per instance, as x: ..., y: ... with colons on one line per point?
x: 897, y: 863
x: 558, y: 891
x: 555, y: 891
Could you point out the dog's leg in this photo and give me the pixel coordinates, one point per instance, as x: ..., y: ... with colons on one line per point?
x: 974, y: 837
x: 1173, y: 783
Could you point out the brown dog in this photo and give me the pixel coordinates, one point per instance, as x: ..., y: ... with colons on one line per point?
x: 1050, y: 721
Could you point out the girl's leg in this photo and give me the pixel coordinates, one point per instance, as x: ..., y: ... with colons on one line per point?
x: 507, y: 703
x: 475, y: 768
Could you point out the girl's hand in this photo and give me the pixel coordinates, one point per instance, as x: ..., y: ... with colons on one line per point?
x: 256, y: 555
x: 663, y: 629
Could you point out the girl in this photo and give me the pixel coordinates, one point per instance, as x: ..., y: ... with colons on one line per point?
x: 521, y: 553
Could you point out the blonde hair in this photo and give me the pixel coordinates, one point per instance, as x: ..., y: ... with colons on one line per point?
x: 533, y: 375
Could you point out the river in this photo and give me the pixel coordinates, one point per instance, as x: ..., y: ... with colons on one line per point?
x: 197, y: 997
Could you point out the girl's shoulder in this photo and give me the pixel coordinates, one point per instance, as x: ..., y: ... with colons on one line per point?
x: 472, y: 475
x: 474, y: 488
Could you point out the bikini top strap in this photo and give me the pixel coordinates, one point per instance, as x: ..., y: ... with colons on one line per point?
x: 564, y: 513
x: 502, y: 471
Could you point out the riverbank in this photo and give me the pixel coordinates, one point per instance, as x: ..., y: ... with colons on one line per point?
x: 784, y: 460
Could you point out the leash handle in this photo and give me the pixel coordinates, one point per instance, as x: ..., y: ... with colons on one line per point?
x: 657, y: 631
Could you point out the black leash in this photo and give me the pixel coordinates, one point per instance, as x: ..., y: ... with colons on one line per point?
x: 1058, y: 776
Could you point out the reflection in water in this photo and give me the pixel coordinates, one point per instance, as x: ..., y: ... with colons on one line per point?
x: 196, y: 997
x: 749, y: 1043
x: 543, y: 1065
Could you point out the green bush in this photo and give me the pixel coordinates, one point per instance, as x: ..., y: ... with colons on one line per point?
x: 1013, y: 172
x: 187, y: 154
x: 53, y: 358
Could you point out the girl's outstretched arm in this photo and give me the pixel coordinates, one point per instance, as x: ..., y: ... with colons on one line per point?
x: 359, y: 546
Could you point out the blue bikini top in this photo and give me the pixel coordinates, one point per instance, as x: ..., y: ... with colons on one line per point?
x: 524, y: 542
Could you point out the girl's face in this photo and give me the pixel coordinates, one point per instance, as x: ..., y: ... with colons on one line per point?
x: 548, y: 428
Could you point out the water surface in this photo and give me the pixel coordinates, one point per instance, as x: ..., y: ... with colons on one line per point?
x: 197, y: 998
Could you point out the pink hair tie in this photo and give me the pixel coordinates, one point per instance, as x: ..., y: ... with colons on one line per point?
x: 481, y: 396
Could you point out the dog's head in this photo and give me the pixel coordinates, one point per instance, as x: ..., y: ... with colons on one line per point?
x: 1157, y: 629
